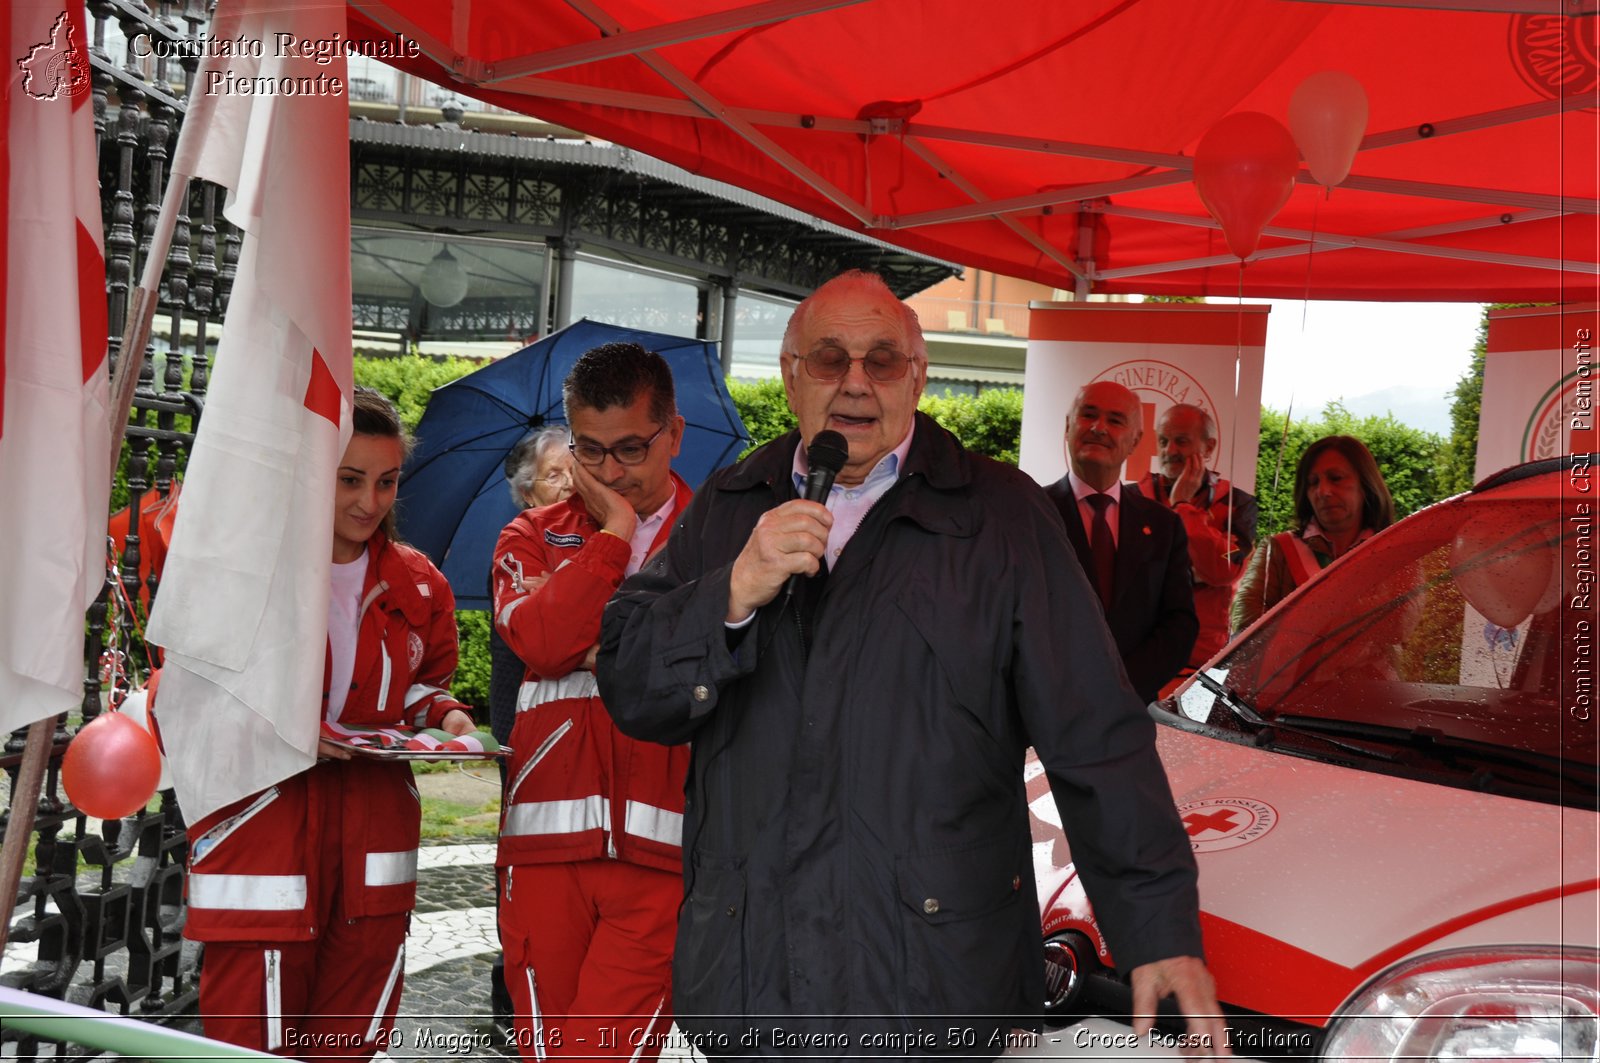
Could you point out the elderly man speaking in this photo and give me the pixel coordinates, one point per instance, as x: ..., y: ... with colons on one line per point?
x: 858, y: 875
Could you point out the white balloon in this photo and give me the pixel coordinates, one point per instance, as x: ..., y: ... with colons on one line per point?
x: 1328, y: 117
x: 136, y: 707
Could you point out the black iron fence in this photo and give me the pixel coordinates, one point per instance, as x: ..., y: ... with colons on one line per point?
x: 98, y: 917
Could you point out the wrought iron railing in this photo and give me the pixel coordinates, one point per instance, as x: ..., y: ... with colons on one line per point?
x: 98, y: 919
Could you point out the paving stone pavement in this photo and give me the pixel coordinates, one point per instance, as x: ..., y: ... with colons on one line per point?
x: 444, y: 1011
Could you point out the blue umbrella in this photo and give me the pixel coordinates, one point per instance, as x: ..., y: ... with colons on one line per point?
x: 453, y: 497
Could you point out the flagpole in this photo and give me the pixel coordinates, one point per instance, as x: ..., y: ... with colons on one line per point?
x: 142, y: 308
x: 19, y: 825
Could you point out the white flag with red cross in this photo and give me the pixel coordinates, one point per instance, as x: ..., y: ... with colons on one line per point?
x: 243, y: 604
x: 55, y: 442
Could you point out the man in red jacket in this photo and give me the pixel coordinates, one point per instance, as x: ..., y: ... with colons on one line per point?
x: 1219, y: 518
x: 591, y: 828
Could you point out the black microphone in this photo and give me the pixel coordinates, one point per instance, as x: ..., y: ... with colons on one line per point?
x: 826, y: 456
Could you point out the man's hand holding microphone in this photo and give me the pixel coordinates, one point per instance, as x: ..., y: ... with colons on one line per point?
x: 788, y: 542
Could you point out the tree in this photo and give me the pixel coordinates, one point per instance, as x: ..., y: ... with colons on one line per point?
x: 989, y: 423
x: 408, y: 380
x: 1460, y: 454
x: 763, y: 408
x: 1458, y: 465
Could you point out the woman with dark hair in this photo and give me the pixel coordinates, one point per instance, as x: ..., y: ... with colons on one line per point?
x: 1340, y: 500
x: 303, y: 892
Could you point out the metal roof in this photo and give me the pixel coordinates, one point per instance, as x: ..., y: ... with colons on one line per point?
x: 615, y: 158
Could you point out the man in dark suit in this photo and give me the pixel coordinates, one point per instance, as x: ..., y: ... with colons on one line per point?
x: 1134, y: 550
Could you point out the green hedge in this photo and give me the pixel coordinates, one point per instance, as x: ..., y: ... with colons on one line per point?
x: 409, y: 379
x: 989, y: 423
x: 471, y: 684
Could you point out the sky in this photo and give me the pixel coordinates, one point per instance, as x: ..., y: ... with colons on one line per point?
x: 1318, y: 351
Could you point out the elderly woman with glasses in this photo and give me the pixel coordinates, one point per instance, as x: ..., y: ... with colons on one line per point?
x: 538, y: 473
x: 539, y: 468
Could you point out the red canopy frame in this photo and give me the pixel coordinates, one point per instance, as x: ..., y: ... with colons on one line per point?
x: 1054, y: 141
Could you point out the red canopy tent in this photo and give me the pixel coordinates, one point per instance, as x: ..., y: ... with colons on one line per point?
x: 1053, y: 140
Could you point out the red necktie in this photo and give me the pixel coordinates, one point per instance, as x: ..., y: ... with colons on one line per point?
x: 1102, y: 548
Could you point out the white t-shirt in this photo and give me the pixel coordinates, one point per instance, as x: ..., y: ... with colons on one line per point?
x: 344, y: 615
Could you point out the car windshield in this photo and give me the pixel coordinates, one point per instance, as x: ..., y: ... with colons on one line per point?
x: 1468, y: 626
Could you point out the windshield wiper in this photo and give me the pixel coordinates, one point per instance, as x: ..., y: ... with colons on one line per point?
x: 1265, y: 731
x: 1435, y: 743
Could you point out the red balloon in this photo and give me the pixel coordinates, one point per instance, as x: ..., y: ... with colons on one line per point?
x: 111, y: 767
x: 1244, y: 170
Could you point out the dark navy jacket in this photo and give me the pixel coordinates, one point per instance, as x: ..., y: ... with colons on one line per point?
x: 856, y: 842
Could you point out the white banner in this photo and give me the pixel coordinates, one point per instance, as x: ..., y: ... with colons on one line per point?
x: 1210, y: 356
x: 1538, y: 385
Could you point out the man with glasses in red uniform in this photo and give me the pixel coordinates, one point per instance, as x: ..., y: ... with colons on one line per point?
x: 590, y: 850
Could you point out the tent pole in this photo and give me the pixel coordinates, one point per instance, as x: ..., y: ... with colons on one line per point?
x: 730, y: 301
x: 1080, y: 281
x: 19, y: 825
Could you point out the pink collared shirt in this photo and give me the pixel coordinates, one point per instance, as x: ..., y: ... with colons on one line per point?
x: 644, y: 534
x: 849, y: 505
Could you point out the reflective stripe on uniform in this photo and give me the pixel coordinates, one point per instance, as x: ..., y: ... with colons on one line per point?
x: 394, y: 976
x: 536, y: 1016
x: 537, y: 692
x: 423, y: 690
x: 504, y: 616
x: 657, y: 824
x: 420, y: 698
x: 647, y: 1037
x: 391, y: 869
x: 383, y: 685
x: 556, y: 817
x: 248, y: 893
x: 273, y: 1004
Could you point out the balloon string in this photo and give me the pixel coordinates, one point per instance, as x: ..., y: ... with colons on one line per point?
x: 119, y: 603
x: 1283, y: 443
x: 1311, y: 250
x: 1305, y: 308
x: 1233, y: 442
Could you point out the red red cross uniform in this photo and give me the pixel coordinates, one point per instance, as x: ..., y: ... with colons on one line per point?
x: 1214, y: 553
x: 591, y: 824
x: 303, y: 892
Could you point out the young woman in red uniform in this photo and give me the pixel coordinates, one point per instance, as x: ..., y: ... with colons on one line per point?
x: 303, y: 892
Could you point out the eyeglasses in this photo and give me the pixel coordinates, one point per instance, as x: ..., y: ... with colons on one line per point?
x: 593, y: 454
x: 881, y: 364
x: 559, y: 478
